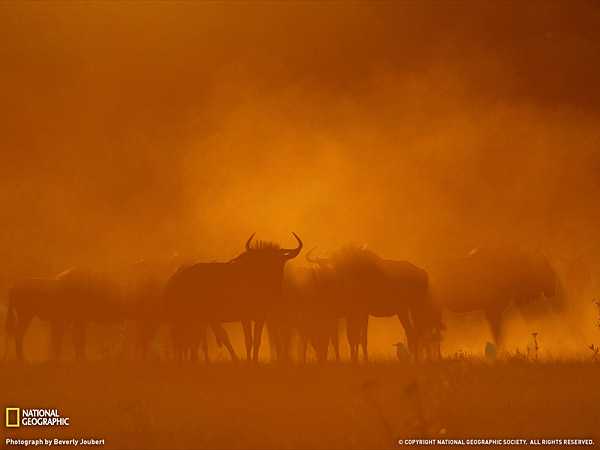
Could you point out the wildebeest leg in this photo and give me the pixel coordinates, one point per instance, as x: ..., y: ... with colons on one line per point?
x: 494, y: 317
x: 204, y: 344
x: 274, y: 343
x: 79, y: 340
x: 200, y: 342
x: 364, y: 328
x: 321, y: 352
x: 258, y: 328
x: 319, y: 339
x: 193, y: 343
x: 20, y: 330
x: 335, y: 341
x: 182, y: 341
x: 321, y: 346
x: 222, y: 336
x: 57, y: 330
x: 146, y: 331
x: 247, y: 326
x: 180, y: 337
x: 280, y: 338
x: 194, y: 352
x: 410, y: 333
x: 174, y: 335
x: 303, y: 348
x: 353, y: 335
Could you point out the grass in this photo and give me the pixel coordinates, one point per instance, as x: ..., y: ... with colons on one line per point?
x: 166, y: 405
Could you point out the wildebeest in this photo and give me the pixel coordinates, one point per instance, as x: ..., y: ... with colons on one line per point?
x: 145, y: 283
x: 367, y: 285
x: 74, y: 299
x: 245, y: 289
x: 490, y: 279
x: 310, y: 309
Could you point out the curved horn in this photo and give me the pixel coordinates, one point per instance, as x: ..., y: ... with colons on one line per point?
x: 248, y: 248
x: 314, y: 260
x: 292, y: 253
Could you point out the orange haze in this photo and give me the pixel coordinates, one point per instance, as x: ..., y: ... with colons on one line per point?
x: 131, y: 130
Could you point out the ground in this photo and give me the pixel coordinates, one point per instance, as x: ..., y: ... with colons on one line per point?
x: 166, y: 405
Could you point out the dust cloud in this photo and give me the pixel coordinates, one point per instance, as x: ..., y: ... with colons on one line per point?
x: 423, y: 130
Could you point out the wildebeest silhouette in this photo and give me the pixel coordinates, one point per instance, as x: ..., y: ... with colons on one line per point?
x: 75, y: 298
x: 492, y: 278
x: 309, y: 308
x: 145, y: 282
x: 245, y: 289
x: 366, y: 284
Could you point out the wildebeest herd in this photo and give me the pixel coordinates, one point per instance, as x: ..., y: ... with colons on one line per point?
x: 299, y: 303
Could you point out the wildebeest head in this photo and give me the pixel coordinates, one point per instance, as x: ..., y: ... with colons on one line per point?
x: 538, y: 289
x: 270, y: 250
x: 550, y: 283
x: 325, y: 282
x: 267, y: 255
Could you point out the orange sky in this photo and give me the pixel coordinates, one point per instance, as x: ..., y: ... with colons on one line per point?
x: 424, y: 129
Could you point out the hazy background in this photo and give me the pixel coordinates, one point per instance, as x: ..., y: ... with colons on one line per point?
x: 130, y: 130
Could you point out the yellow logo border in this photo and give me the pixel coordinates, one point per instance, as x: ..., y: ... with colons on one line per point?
x: 13, y: 425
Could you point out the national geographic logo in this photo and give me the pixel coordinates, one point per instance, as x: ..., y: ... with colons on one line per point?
x: 13, y: 417
x: 17, y: 417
